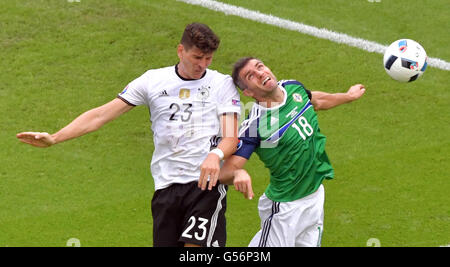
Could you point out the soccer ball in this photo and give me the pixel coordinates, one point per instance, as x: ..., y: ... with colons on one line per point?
x: 405, y: 60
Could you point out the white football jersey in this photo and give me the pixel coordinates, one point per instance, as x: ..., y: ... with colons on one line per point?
x: 185, y: 119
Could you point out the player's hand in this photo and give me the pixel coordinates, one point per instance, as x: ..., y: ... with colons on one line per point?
x: 36, y: 139
x: 356, y: 91
x: 243, y: 183
x: 210, y: 168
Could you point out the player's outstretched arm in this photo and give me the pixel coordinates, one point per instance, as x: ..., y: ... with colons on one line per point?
x: 87, y: 122
x: 322, y: 100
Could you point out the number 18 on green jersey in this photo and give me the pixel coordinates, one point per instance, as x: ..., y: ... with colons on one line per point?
x: 288, y: 141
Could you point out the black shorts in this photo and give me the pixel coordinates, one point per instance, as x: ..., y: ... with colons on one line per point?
x: 183, y: 213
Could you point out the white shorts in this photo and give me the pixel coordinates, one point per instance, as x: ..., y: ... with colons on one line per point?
x: 297, y: 223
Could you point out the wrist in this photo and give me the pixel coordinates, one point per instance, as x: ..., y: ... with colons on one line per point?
x: 54, y: 138
x: 350, y: 97
x: 237, y: 171
x: 218, y: 152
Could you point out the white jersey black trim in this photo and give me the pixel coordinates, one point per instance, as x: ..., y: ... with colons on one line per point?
x: 185, y: 117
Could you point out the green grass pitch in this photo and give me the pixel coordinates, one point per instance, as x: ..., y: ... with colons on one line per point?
x: 58, y: 58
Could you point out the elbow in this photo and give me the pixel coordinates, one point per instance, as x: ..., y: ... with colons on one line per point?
x: 232, y: 143
x: 235, y: 142
x: 320, y: 105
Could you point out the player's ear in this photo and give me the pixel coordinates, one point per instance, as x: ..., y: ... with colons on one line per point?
x: 180, y: 50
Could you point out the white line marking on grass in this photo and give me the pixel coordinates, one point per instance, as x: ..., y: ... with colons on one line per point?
x: 341, y: 38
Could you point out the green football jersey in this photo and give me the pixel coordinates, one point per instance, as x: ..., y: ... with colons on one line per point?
x: 288, y: 141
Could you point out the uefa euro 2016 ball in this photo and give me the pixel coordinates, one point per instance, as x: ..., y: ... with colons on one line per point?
x: 405, y: 60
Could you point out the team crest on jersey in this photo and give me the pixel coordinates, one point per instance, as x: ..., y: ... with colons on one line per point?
x: 297, y: 97
x: 203, y: 92
x: 184, y: 93
x: 239, y: 145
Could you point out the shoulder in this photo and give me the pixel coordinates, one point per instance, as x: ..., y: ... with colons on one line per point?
x: 219, y: 78
x: 153, y: 79
x: 149, y: 80
x: 250, y: 125
x: 296, y: 86
x: 223, y: 83
x: 218, y: 75
x: 292, y: 82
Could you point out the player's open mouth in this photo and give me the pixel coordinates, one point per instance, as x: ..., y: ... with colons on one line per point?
x: 266, y: 80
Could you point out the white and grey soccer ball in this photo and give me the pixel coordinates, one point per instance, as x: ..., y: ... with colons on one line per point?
x: 405, y: 60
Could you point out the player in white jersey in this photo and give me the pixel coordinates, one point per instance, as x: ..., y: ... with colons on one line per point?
x: 194, y: 113
x: 184, y: 115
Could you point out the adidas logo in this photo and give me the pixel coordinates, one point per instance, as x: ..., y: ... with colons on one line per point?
x: 163, y: 93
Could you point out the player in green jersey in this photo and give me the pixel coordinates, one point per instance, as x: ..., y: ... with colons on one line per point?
x: 283, y: 130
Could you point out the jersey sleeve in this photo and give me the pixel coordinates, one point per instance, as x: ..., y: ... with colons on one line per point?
x: 249, y: 139
x: 246, y: 147
x: 308, y: 92
x: 229, y: 100
x: 134, y: 93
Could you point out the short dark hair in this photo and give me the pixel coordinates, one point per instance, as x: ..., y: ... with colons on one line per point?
x: 201, y: 36
x: 238, y: 66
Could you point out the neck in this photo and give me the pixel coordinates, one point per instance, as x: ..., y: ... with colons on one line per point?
x: 273, y: 99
